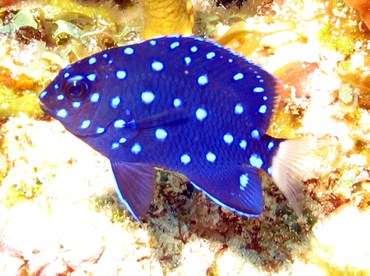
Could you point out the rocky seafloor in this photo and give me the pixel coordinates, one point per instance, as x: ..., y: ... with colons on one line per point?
x: 59, y: 214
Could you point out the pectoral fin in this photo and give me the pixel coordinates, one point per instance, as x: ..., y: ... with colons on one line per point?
x: 135, y: 186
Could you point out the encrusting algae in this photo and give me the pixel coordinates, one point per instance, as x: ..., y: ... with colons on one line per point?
x: 59, y: 213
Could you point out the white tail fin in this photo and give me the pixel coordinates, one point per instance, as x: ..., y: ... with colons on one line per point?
x: 297, y: 161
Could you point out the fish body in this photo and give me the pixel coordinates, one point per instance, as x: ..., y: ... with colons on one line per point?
x: 181, y: 103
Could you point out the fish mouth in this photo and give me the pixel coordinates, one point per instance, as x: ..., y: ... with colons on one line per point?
x: 45, y: 108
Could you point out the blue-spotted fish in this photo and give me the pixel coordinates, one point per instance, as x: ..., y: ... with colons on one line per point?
x: 181, y: 103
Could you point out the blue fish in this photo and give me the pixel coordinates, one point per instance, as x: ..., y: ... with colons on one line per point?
x: 181, y: 103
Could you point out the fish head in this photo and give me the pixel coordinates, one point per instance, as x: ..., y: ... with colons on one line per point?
x: 76, y: 98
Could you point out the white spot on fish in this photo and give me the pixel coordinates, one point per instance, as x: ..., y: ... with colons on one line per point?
x: 100, y: 130
x: 228, y: 138
x: 153, y: 42
x: 76, y: 104
x: 239, y: 109
x: 210, y: 55
x: 66, y: 75
x: 185, y: 159
x: 85, y: 124
x: 243, y: 181
x: 119, y: 123
x: 177, y: 102
x: 56, y: 86
x: 187, y: 60
x: 211, y: 157
x: 76, y: 78
x: 269, y: 170
x: 265, y: 98
x: 136, y: 148
x: 92, y: 60
x: 122, y: 140
x: 255, y: 134
x: 62, y: 113
x: 262, y: 109
x: 230, y: 60
x: 238, y: 76
x: 198, y: 38
x: 105, y: 55
x: 157, y: 66
x: 243, y: 144
x: 256, y: 161
x: 270, y: 145
x: 203, y: 80
x: 121, y: 74
x: 91, y: 77
x: 60, y: 97
x: 258, y: 89
x: 174, y: 45
x: 115, y: 145
x: 94, y: 98
x: 115, y: 102
x: 129, y: 51
x: 43, y: 94
x: 193, y: 49
x: 147, y: 97
x: 201, y: 114
x: 160, y: 134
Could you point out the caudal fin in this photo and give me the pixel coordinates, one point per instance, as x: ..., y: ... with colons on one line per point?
x: 295, y: 162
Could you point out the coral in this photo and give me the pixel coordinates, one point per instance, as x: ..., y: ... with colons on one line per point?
x: 363, y: 6
x: 339, y: 245
x: 167, y: 17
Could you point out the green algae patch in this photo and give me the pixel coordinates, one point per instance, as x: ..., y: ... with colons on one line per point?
x: 14, y: 103
x: 341, y: 33
x: 16, y: 194
x: 112, y: 207
x: 340, y: 42
x: 88, y: 10
x: 36, y: 42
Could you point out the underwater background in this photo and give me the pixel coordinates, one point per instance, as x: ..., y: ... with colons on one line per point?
x: 59, y: 214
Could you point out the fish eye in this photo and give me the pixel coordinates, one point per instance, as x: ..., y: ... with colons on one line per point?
x: 76, y: 89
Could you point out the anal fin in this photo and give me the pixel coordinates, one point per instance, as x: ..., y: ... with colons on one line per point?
x: 237, y: 188
x: 135, y: 186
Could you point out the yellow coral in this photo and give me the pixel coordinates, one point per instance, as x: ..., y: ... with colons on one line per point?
x: 168, y: 17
